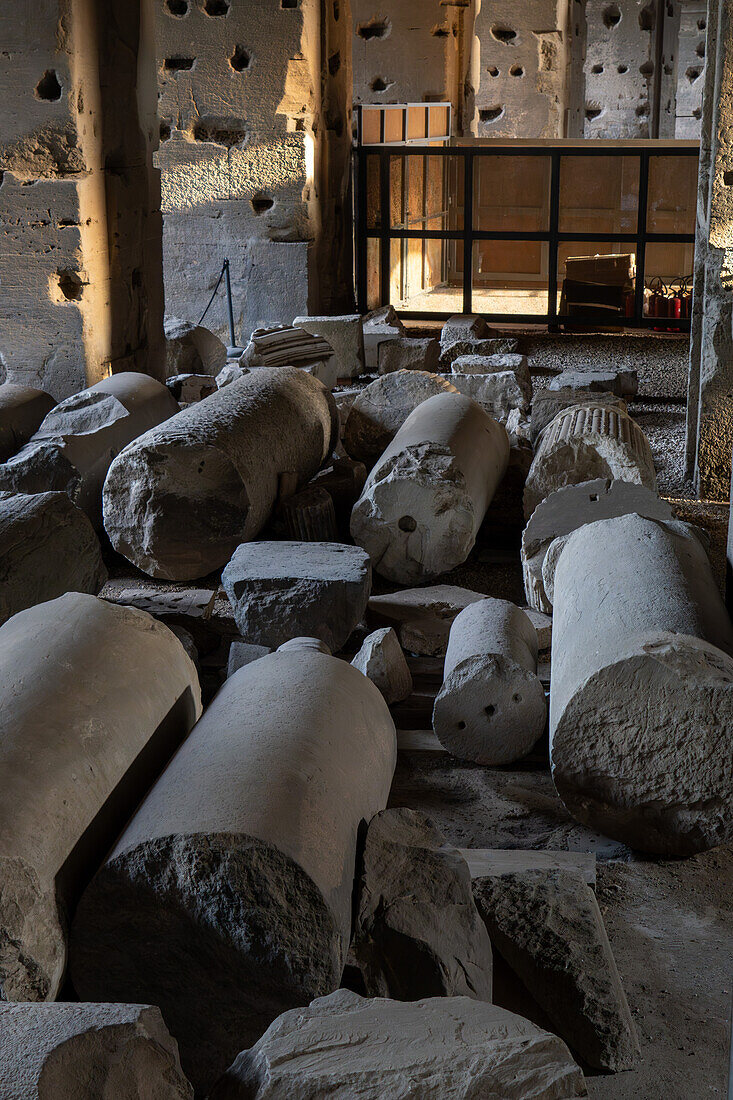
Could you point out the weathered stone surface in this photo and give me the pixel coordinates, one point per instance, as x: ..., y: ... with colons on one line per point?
x: 491, y: 708
x: 227, y: 899
x: 192, y: 349
x: 549, y: 929
x: 409, y: 353
x: 47, y: 547
x: 546, y: 404
x: 422, y: 617
x: 345, y: 335
x: 382, y: 407
x: 309, y: 516
x: 282, y: 590
x: 187, y: 388
x: 622, y: 381
x: 88, y: 1051
x: 344, y: 1046
x: 380, y: 326
x: 22, y: 409
x: 74, y: 446
x: 244, y: 653
x: 180, y: 500
x: 542, y: 624
x: 642, y: 687
x: 586, y: 442
x: 417, y: 932
x: 426, y: 497
x: 232, y: 372
x: 463, y: 326
x: 569, y: 508
x: 498, y: 393
x: 493, y: 346
x: 66, y: 669
x: 325, y: 370
x: 493, y: 364
x: 382, y: 660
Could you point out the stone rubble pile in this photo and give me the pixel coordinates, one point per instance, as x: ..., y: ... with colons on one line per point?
x: 210, y: 842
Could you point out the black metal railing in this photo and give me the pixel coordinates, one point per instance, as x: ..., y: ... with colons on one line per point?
x: 374, y: 221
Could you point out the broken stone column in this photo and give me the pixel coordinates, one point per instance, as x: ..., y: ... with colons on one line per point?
x: 74, y: 446
x: 584, y: 442
x: 382, y: 660
x: 381, y: 408
x: 47, y: 547
x: 569, y: 508
x: 227, y: 899
x: 642, y: 687
x: 88, y: 1051
x: 22, y: 409
x: 491, y: 708
x: 345, y: 1046
x: 66, y: 672
x: 417, y: 930
x: 424, y: 501
x: 179, y: 502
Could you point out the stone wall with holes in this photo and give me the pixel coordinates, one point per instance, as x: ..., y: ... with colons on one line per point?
x: 520, y: 69
x: 80, y: 246
x: 400, y: 50
x: 619, y: 68
x: 690, y: 69
x: 246, y: 130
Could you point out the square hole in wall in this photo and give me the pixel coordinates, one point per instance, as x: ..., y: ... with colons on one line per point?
x: 288, y: 3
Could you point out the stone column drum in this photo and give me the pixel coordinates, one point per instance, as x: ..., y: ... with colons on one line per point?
x: 74, y: 446
x: 491, y: 708
x: 584, y: 442
x: 641, y: 703
x: 47, y: 547
x: 22, y: 409
x: 95, y: 698
x: 179, y: 502
x: 227, y: 900
x: 424, y: 501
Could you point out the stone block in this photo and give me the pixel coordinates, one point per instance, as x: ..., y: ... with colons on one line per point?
x: 499, y: 393
x: 192, y: 349
x: 381, y: 408
x: 422, y: 617
x: 623, y: 381
x: 47, y: 547
x: 493, y: 346
x: 381, y: 659
x: 547, y: 926
x: 88, y: 1051
x: 244, y: 653
x: 345, y: 1045
x: 417, y: 932
x: 282, y: 590
x: 463, y: 326
x: 345, y: 334
x: 410, y: 353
